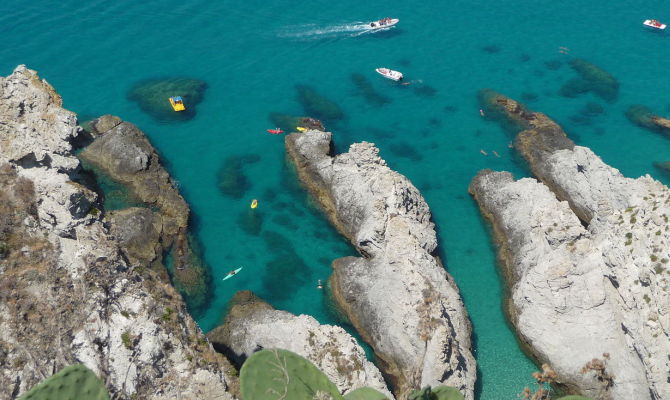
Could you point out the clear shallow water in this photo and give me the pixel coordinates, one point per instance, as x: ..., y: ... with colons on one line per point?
x: 252, y: 54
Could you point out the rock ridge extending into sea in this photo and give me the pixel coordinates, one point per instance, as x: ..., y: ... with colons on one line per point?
x: 68, y: 292
x: 585, y: 254
x: 397, y: 295
x: 252, y: 325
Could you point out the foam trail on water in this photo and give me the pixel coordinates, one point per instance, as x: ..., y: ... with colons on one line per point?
x: 315, y: 32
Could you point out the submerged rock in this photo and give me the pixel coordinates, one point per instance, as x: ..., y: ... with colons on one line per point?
x: 152, y: 95
x: 368, y: 91
x: 69, y: 294
x: 642, y: 116
x: 289, y: 123
x: 232, y: 180
x: 315, y: 104
x: 594, y: 301
x: 591, y: 79
x: 253, y: 325
x: 398, y: 295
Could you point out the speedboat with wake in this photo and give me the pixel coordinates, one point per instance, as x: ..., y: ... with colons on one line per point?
x: 654, y: 24
x: 390, y: 74
x: 383, y: 23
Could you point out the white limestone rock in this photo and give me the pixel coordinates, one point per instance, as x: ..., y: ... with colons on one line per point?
x: 578, y: 294
x: 399, y: 296
x: 68, y: 294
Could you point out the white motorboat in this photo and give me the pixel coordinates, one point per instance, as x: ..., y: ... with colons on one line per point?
x: 383, y: 23
x: 389, y: 73
x: 654, y: 24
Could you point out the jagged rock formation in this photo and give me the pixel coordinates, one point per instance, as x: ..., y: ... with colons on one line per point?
x: 122, y: 152
x: 253, y: 324
x: 67, y: 293
x: 582, y: 293
x: 398, y: 295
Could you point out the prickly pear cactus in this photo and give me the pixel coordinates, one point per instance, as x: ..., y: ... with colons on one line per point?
x: 365, y: 393
x: 283, y: 375
x: 436, y: 393
x: 72, y: 382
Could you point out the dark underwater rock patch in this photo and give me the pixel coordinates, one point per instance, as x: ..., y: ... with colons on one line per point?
x: 231, y: 178
x: 529, y: 97
x: 405, y: 150
x: 368, y: 92
x: 286, y: 272
x: 318, y: 106
x: 591, y: 79
x: 592, y: 109
x: 152, y: 96
x: 553, y: 65
x: 491, y: 49
x: 425, y: 91
x: 251, y: 221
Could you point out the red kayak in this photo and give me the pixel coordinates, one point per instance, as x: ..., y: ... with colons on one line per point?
x: 275, y: 131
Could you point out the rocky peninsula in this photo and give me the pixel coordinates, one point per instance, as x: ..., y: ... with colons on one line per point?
x: 397, y: 295
x: 123, y: 153
x: 585, y: 255
x: 72, y: 292
x: 252, y: 325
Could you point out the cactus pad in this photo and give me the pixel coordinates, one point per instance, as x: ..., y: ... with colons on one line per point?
x: 365, y: 393
x: 283, y: 375
x: 72, y: 382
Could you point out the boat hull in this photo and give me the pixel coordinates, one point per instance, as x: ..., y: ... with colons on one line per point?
x: 656, y: 25
x: 390, y: 74
x: 378, y: 25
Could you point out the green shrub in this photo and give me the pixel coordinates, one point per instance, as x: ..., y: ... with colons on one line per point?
x: 127, y: 340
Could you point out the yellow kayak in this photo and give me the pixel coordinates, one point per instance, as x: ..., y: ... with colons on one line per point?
x: 254, y: 203
x: 301, y: 129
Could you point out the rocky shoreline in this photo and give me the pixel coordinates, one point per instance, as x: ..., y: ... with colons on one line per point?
x: 70, y: 293
x: 585, y: 256
x: 252, y: 325
x: 397, y: 295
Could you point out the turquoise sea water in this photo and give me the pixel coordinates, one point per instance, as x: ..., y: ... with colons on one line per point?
x: 253, y: 53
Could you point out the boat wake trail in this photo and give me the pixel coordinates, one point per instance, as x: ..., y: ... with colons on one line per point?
x: 315, y: 32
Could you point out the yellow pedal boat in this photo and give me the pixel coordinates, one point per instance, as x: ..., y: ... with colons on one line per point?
x: 177, y: 103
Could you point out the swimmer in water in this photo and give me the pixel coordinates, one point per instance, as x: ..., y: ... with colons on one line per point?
x: 481, y: 112
x: 319, y: 285
x: 495, y: 153
x: 483, y: 152
x: 510, y: 145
